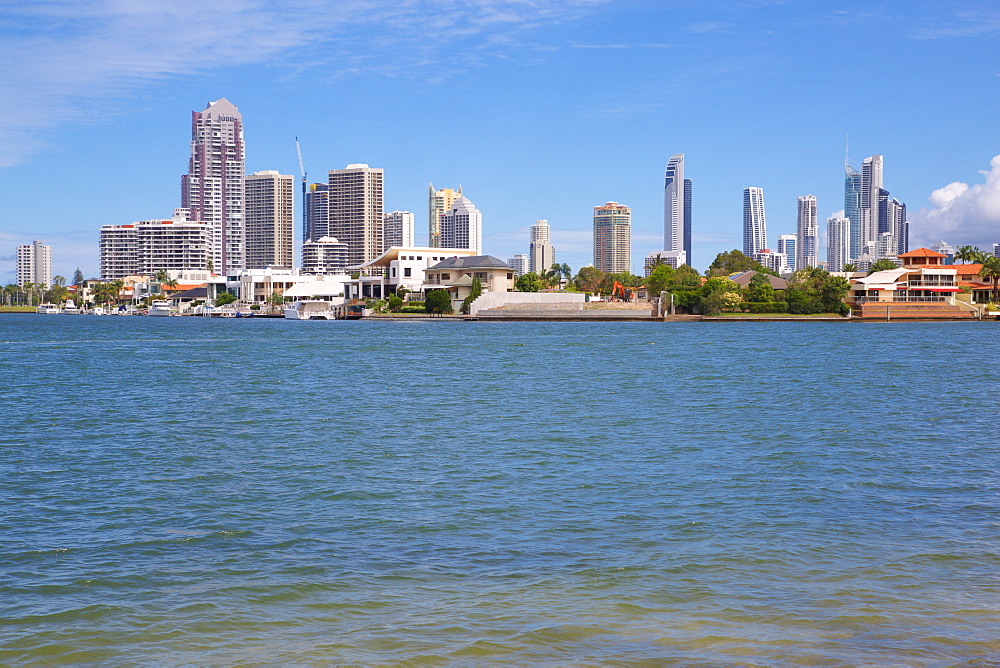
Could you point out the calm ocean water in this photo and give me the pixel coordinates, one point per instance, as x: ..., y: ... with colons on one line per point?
x: 183, y: 490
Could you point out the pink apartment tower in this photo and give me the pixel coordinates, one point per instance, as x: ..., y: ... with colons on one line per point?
x: 212, y: 190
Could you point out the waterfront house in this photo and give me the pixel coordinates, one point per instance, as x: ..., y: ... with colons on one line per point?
x: 399, y: 267
x: 456, y: 275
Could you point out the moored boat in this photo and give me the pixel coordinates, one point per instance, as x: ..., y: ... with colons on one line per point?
x: 159, y: 308
x: 310, y: 309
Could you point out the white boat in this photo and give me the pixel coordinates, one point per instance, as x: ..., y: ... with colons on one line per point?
x: 310, y: 309
x: 69, y: 308
x: 48, y: 309
x: 159, y: 308
x: 97, y: 310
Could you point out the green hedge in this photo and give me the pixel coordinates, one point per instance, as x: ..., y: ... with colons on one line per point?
x: 413, y: 309
x: 764, y: 307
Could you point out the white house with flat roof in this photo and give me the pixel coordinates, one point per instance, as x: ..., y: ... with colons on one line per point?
x: 398, y: 267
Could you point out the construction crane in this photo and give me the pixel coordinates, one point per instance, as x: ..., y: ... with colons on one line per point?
x: 305, y: 209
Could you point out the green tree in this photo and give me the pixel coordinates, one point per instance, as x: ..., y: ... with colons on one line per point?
x: 881, y: 265
x: 59, y: 280
x: 968, y: 254
x: 685, y: 276
x: 474, y: 292
x: 530, y: 282
x: 588, y: 279
x: 659, y: 279
x: 275, y: 299
x: 57, y: 294
x: 759, y: 289
x: 850, y: 267
x: 734, y: 261
x: 78, y: 278
x: 438, y: 302
x: 225, y: 298
x: 991, y: 272
x: 395, y: 303
x: 210, y: 266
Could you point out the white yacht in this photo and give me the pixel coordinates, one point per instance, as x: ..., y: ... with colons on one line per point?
x: 310, y: 309
x: 47, y: 309
x: 70, y: 308
x: 159, y: 308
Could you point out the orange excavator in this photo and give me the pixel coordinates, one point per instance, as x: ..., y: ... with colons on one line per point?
x: 620, y: 293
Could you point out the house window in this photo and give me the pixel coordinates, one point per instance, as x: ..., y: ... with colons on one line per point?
x: 407, y: 272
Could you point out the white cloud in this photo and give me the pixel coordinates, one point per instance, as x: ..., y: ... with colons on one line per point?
x: 75, y: 58
x: 961, y: 214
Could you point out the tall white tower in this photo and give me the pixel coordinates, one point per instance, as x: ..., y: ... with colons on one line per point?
x: 754, y: 223
x: 676, y: 208
x: 838, y: 243
x: 212, y: 190
x: 871, y: 184
x: 807, y: 243
x: 462, y: 226
x: 34, y: 264
x: 541, y: 253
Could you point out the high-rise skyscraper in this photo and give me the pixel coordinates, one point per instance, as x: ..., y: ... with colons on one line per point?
x: 269, y: 202
x: 355, y: 211
x: 852, y: 208
x: 871, y: 184
x: 807, y: 248
x: 541, y: 252
x: 788, y: 244
x: 212, y: 190
x: 677, y: 208
x: 34, y: 264
x: 317, y: 212
x: 754, y: 223
x: 398, y: 229
x: 613, y: 237
x: 438, y: 202
x: 462, y: 226
x: 838, y: 243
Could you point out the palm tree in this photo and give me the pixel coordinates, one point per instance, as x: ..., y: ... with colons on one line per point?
x: 991, y: 271
x: 850, y: 267
x: 968, y: 254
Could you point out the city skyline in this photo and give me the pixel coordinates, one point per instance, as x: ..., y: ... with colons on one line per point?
x: 123, y: 111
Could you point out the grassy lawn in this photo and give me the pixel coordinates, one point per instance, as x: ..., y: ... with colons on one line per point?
x: 17, y: 309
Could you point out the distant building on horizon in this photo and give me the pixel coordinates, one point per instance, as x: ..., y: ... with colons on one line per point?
x: 356, y: 211
x: 788, y: 244
x: 438, y: 202
x: 519, y: 263
x: 33, y: 264
x: 316, y: 216
x: 148, y: 246
x: 852, y: 208
x: 613, y: 237
x: 807, y: 234
x: 462, y: 226
x: 398, y: 229
x: 212, y: 190
x: 773, y: 260
x: 838, y: 243
x: 269, y: 203
x: 754, y: 222
x: 677, y: 208
x: 541, y: 252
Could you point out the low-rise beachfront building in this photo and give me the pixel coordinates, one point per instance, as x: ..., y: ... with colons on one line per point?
x: 456, y: 275
x: 398, y: 268
x: 923, y: 287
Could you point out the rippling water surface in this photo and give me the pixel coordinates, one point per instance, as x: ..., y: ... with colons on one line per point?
x: 184, y: 490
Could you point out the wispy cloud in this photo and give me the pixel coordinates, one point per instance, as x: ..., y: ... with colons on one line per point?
x: 623, y: 47
x: 708, y: 27
x: 962, y: 24
x: 66, y: 61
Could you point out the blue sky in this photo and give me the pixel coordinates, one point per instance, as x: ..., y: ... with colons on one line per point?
x: 540, y: 109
